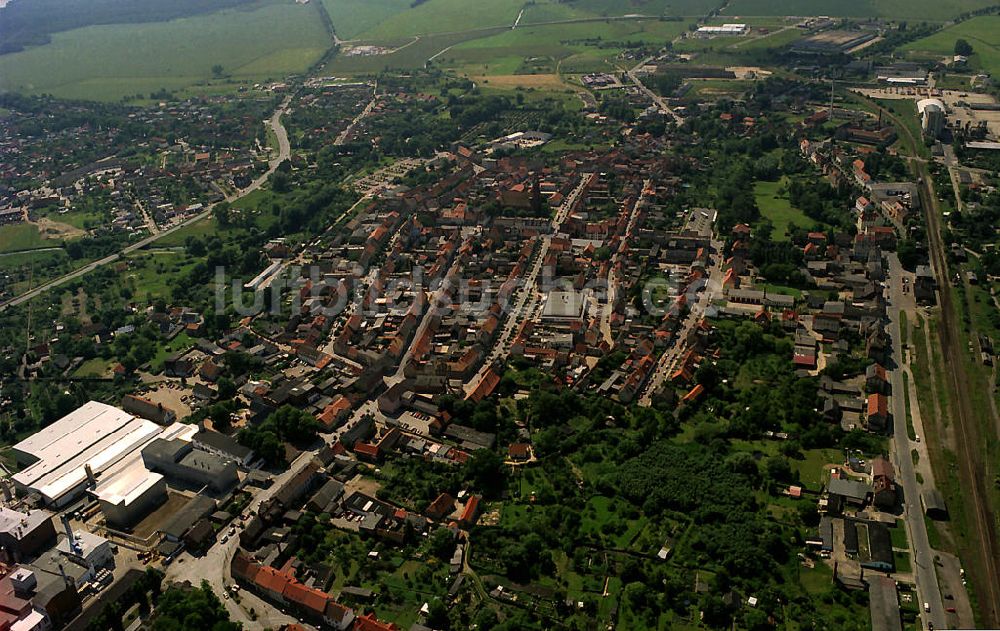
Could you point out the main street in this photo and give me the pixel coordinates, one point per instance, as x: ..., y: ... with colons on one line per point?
x: 527, y: 287
x: 284, y: 150
x: 923, y: 555
x: 968, y: 440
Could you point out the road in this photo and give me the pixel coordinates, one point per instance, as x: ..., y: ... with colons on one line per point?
x: 284, y: 150
x: 344, y: 135
x: 526, y: 292
x: 214, y: 566
x: 668, y: 360
x: 609, y: 303
x: 656, y: 98
x: 985, y: 574
x: 922, y: 559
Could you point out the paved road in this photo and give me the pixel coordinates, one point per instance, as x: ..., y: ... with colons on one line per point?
x: 284, y: 150
x: 214, y: 566
x: 972, y: 470
x: 656, y: 98
x: 526, y: 295
x: 344, y: 135
x: 922, y: 558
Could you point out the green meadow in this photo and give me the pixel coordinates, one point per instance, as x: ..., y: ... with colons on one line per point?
x: 113, y: 61
x: 983, y: 33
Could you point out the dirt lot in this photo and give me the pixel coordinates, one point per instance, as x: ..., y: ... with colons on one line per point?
x: 57, y: 230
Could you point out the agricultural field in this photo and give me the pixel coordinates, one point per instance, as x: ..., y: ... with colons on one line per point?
x: 912, y: 10
x: 351, y: 18
x: 445, y: 16
x: 575, y: 9
x: 110, y: 62
x: 983, y: 33
x: 557, y: 48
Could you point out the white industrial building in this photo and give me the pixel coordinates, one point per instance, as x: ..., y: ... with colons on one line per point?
x: 725, y: 29
x: 932, y: 116
x: 97, y: 448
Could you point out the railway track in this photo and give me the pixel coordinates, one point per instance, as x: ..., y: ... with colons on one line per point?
x: 972, y: 468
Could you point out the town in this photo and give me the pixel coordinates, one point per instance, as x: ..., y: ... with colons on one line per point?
x: 397, y: 349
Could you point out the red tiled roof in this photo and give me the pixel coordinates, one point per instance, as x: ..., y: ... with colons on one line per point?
x: 369, y: 622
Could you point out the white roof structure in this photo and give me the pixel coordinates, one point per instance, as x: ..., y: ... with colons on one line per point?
x: 97, y: 435
x: 130, y: 479
x: 725, y: 29
x: 923, y: 104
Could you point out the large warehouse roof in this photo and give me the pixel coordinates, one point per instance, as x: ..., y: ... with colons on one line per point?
x: 101, y: 436
x: 91, y: 422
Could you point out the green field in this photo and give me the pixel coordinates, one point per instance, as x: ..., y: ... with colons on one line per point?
x: 23, y: 236
x: 566, y: 48
x: 446, y: 16
x: 110, y: 62
x: 776, y: 208
x: 983, y: 33
x: 912, y: 10
x: 351, y: 18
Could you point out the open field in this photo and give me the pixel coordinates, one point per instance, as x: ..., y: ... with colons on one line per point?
x: 110, y: 62
x: 776, y: 207
x: 353, y: 17
x: 901, y: 9
x: 23, y: 236
x: 566, y: 48
x: 544, y: 11
x: 983, y: 33
x: 446, y: 16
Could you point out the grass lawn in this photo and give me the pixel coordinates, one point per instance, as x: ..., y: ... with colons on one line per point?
x: 811, y: 470
x: 902, y: 560
x: 898, y: 535
x: 983, y: 33
x: 109, y: 62
x: 776, y: 208
x: 817, y: 580
x: 96, y: 367
x: 23, y: 236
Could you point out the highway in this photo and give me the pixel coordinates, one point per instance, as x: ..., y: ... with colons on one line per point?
x: 284, y: 150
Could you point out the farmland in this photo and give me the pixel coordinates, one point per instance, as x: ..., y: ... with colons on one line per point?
x: 114, y: 61
x: 578, y: 47
x: 351, y: 18
x: 983, y: 33
x: 445, y: 16
x: 904, y: 9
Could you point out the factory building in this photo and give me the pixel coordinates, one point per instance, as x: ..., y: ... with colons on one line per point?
x: 932, y: 116
x: 179, y: 459
x: 63, y: 460
x: 24, y: 535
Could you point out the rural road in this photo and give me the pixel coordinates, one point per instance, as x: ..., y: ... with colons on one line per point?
x: 284, y: 150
